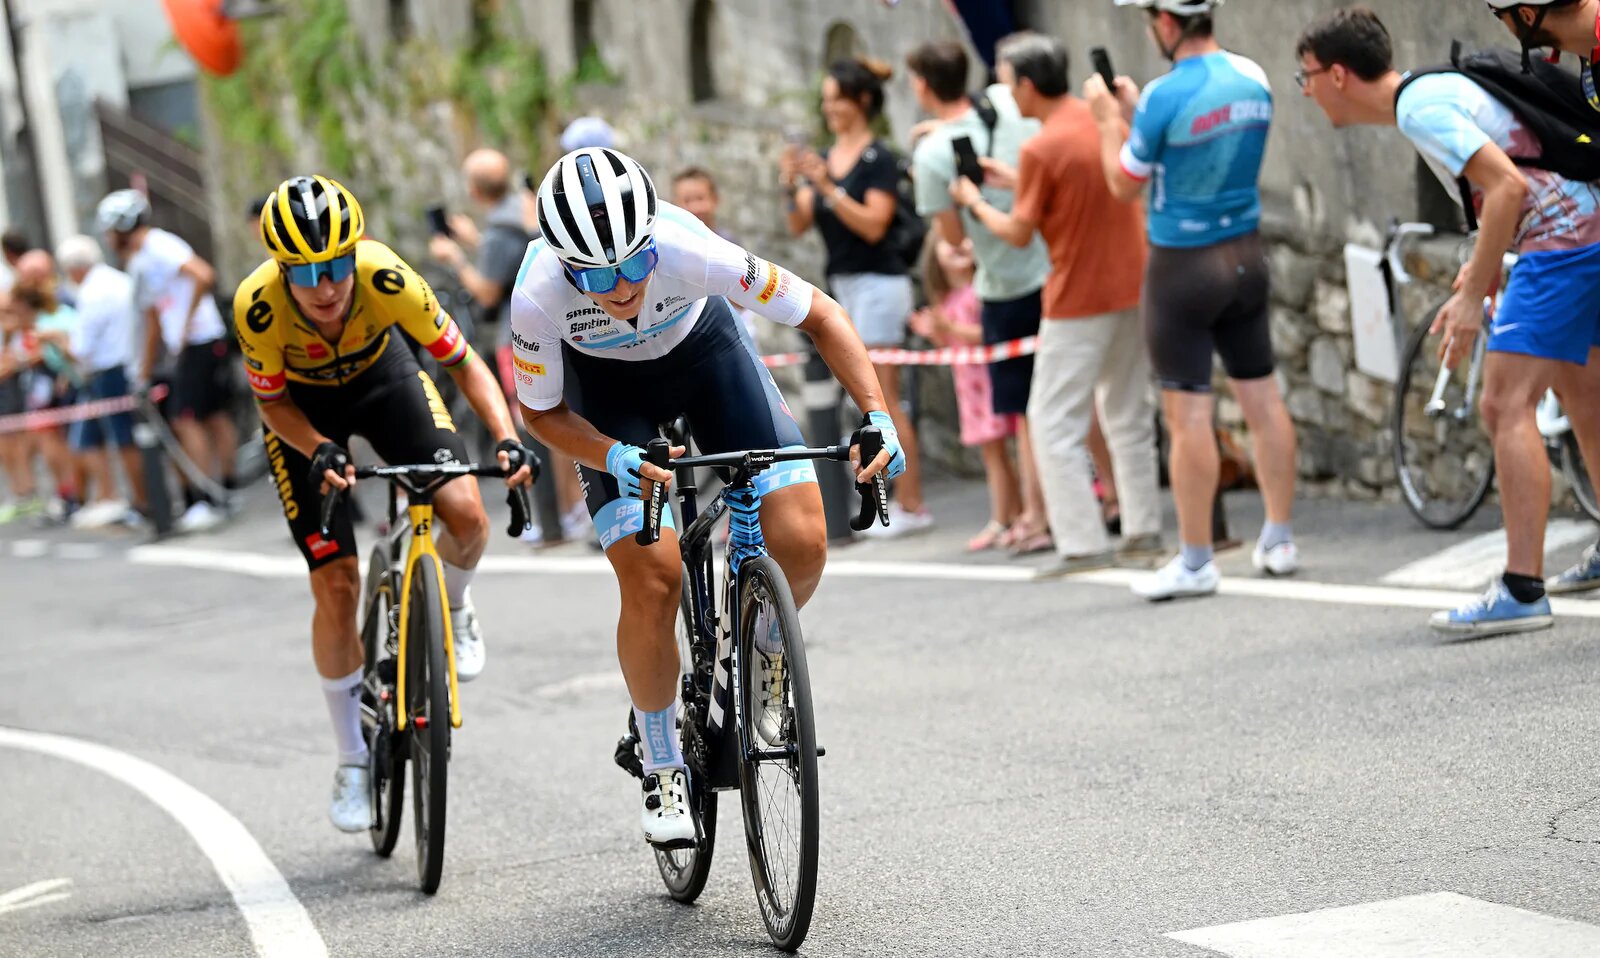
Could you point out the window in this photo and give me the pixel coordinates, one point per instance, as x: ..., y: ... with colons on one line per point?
x: 702, y: 35
x: 582, y: 29
x: 399, y: 20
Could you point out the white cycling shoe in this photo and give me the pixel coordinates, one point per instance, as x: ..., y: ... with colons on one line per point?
x: 468, y: 638
x: 666, y: 817
x: 351, y: 808
x: 1177, y: 581
x: 1281, y: 559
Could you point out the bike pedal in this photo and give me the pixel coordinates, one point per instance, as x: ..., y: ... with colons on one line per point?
x: 627, y: 756
x: 821, y: 751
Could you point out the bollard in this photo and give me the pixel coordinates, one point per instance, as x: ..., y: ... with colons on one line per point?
x: 158, y: 498
x: 820, y: 395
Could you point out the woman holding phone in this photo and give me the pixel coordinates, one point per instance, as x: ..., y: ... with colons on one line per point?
x: 849, y: 196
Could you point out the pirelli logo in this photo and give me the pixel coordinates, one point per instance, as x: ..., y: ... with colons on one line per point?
x: 771, y: 287
x: 533, y: 369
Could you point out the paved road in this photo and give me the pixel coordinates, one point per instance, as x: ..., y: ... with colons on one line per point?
x: 1013, y: 768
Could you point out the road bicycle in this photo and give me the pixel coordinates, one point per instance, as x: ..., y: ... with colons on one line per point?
x: 409, y: 702
x: 775, y: 771
x: 1443, y: 458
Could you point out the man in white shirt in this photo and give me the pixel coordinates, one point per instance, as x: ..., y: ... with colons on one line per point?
x: 103, y: 344
x: 173, y: 288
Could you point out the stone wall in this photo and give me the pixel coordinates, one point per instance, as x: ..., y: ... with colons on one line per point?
x: 406, y: 109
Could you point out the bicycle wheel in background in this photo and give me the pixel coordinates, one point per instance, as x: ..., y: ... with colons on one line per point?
x: 684, y: 870
x: 1443, y: 459
x: 778, y: 776
x: 385, y: 746
x: 1577, y: 475
x: 428, y: 705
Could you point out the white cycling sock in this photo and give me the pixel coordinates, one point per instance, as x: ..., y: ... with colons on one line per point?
x: 658, y: 734
x: 456, y: 581
x: 344, y: 708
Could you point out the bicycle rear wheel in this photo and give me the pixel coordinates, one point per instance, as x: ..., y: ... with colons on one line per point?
x: 385, y: 745
x: 684, y: 870
x: 1443, y: 458
x: 1577, y: 475
x: 428, y: 694
x: 778, y: 772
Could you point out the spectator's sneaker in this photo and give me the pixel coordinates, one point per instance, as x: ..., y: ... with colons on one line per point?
x: 467, y: 636
x: 532, y: 536
x: 200, y: 517
x: 351, y: 808
x: 1582, y: 577
x: 99, y: 514
x: 1495, y: 612
x: 1141, y: 549
x: 575, y: 524
x: 769, y: 675
x: 1281, y: 559
x: 666, y: 817
x: 901, y: 523
x: 1177, y: 581
x: 58, y: 511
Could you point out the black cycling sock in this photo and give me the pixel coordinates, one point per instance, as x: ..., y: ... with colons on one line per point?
x: 230, y: 483
x: 1524, y: 588
x: 190, y: 496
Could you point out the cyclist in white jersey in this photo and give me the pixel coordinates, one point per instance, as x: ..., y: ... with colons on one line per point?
x: 620, y: 321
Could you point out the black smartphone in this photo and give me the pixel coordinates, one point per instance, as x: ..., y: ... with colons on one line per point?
x: 437, y: 224
x: 1102, y: 66
x: 967, y: 159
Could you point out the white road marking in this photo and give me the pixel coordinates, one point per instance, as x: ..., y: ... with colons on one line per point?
x: 29, y: 548
x: 1481, y: 558
x: 578, y: 684
x: 79, y: 550
x: 1298, y: 590
x: 278, y: 922
x: 36, y: 894
x: 1439, y: 925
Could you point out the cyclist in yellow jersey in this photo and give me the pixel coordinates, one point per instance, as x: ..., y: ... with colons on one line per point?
x: 315, y: 324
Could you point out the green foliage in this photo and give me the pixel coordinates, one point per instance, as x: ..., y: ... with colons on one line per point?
x: 593, y: 69
x: 504, y: 85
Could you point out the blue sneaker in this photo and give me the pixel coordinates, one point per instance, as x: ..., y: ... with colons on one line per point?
x: 1580, y: 578
x: 1495, y: 613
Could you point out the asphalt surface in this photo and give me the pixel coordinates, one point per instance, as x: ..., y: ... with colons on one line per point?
x: 1013, y: 768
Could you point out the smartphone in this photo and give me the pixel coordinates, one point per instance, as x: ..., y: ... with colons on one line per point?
x: 437, y: 224
x: 967, y: 159
x: 1102, y: 66
x: 797, y: 136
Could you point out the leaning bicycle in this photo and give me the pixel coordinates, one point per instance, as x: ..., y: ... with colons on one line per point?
x: 409, y: 702
x: 736, y: 734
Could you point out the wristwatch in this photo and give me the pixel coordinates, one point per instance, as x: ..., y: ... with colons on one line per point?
x: 838, y: 193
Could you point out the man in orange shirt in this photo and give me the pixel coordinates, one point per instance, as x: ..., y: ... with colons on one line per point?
x: 1090, y: 344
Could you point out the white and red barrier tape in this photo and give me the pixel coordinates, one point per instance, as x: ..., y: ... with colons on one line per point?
x: 94, y: 409
x: 947, y: 356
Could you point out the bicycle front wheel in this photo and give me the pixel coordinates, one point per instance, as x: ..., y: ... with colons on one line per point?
x: 1442, y: 456
x: 385, y: 749
x: 428, y: 704
x: 778, y: 771
x: 1577, y: 475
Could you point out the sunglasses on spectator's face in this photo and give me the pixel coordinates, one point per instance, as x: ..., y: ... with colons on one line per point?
x: 310, y: 274
x: 604, y: 279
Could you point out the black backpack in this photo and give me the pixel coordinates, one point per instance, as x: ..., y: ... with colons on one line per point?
x: 1547, y: 100
x: 907, y: 231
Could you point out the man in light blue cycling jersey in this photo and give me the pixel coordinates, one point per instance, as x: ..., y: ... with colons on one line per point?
x: 620, y: 321
x: 1548, y: 318
x: 1198, y: 135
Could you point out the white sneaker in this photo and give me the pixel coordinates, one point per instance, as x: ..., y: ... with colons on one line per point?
x: 901, y: 523
x: 468, y: 638
x: 666, y: 817
x: 351, y: 808
x: 200, y: 517
x: 99, y: 514
x: 1176, y: 581
x: 532, y: 536
x: 1281, y: 559
x: 575, y: 524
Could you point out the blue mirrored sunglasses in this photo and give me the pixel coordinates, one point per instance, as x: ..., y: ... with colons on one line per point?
x: 604, y: 279
x: 309, y: 274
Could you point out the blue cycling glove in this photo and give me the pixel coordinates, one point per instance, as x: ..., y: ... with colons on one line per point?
x: 623, y: 462
x: 891, y: 442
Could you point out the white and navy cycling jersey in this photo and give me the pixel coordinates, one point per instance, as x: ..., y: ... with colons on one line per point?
x: 693, y: 264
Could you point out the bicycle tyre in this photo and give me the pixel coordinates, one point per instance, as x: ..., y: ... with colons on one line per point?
x: 684, y: 870
x: 387, y: 758
x: 1577, y: 475
x: 1417, y: 372
x: 428, y: 689
x: 787, y: 922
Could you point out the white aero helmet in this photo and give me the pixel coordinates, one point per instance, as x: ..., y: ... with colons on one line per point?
x: 1182, y: 8
x: 597, y: 207
x: 122, y: 212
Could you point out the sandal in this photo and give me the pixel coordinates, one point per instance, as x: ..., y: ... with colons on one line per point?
x: 1027, y: 543
x: 991, y: 535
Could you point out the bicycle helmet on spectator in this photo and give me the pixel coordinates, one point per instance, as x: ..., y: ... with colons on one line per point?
x: 122, y: 212
x: 597, y: 207
x: 310, y: 219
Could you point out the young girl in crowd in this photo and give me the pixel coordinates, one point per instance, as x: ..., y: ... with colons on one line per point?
x: 952, y: 320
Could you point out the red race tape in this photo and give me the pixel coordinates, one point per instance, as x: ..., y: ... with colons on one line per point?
x: 948, y: 356
x: 94, y: 409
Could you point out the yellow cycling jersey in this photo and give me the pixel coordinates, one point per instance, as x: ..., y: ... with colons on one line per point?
x: 280, y: 345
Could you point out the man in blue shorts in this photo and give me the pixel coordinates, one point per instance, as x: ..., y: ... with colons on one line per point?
x: 1198, y: 135
x: 1549, y: 315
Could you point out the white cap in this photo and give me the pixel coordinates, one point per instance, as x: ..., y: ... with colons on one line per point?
x: 587, y: 131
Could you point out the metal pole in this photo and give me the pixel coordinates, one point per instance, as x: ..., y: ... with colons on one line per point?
x: 157, y: 496
x: 25, y: 137
x: 820, y: 395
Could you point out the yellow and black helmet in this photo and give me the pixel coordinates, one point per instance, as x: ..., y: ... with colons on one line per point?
x: 310, y: 219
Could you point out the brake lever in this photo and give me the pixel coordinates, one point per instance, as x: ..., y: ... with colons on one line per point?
x: 521, y: 503
x: 330, y: 502
x: 658, y: 453
x: 874, y: 494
